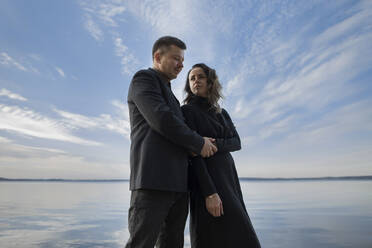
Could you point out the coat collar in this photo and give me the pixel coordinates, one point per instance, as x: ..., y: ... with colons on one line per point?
x: 161, y: 76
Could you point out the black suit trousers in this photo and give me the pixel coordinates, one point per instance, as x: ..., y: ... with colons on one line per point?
x: 157, y: 217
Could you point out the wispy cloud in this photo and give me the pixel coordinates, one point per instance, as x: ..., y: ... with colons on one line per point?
x: 108, y: 14
x: 4, y: 140
x: 307, y: 80
x: 29, y: 162
x: 316, y: 147
x: 128, y: 61
x: 60, y: 71
x: 30, y: 123
x: 233, y: 85
x: 6, y: 60
x: 93, y: 28
x: 348, y: 26
x: 34, y: 63
x: 107, y: 11
x: 118, y: 123
x: 122, y: 113
x: 11, y: 95
x: 99, y: 13
x: 120, y: 48
x: 159, y: 13
x: 8, y: 148
x: 337, y: 125
x: 25, y: 161
x: 199, y: 23
x: 184, y: 19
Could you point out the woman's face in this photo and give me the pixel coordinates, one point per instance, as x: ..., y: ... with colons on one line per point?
x: 198, y: 82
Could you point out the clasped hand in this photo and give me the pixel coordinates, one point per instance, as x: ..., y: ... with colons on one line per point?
x: 208, y: 148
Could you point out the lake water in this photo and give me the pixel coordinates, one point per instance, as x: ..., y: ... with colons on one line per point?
x: 288, y: 214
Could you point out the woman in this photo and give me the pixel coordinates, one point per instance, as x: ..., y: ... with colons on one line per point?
x: 218, y: 214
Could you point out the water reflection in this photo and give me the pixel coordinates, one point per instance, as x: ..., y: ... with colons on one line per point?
x: 311, y: 214
x: 63, y: 214
x: 285, y: 214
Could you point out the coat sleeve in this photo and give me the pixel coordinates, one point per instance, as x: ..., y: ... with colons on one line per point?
x: 147, y: 96
x: 231, y: 142
x: 198, y: 167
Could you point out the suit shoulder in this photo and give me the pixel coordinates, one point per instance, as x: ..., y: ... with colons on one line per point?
x: 144, y: 73
x: 144, y: 77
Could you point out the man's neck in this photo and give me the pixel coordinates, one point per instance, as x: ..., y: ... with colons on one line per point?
x: 161, y: 74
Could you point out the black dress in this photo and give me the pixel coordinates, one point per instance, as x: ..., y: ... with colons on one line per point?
x: 216, y: 174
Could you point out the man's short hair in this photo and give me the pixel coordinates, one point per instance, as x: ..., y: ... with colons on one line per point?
x: 163, y: 43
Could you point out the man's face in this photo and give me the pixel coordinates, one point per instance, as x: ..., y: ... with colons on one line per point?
x: 171, y: 62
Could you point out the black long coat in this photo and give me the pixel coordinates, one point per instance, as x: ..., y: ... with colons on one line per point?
x: 216, y: 174
x: 160, y: 139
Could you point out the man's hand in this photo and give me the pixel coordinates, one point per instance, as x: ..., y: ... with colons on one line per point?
x: 214, y: 205
x: 208, y: 148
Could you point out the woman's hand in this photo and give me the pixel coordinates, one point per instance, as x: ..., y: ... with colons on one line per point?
x: 214, y: 205
x: 208, y: 148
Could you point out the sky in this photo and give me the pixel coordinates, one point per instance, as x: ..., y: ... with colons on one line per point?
x: 296, y: 77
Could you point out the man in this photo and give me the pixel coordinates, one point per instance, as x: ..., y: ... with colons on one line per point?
x: 160, y: 143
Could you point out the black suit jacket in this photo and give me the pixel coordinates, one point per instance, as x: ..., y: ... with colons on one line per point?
x: 160, y: 139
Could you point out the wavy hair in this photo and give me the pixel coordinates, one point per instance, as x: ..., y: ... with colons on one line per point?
x: 214, y: 89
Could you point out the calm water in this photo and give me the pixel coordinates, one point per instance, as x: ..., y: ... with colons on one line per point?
x: 290, y: 214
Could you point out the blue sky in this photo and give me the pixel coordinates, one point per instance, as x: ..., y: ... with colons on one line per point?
x: 296, y: 78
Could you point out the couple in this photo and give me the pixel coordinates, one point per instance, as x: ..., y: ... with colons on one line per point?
x: 175, y: 150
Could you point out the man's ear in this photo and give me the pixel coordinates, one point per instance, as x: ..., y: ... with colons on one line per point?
x: 157, y: 57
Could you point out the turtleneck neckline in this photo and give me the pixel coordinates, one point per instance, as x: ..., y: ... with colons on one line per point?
x: 200, y: 101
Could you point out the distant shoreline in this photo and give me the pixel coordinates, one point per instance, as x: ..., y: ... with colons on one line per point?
x: 306, y: 178
x: 60, y: 180
x: 3, y: 179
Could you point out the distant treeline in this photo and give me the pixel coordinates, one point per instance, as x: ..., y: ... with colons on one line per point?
x: 242, y: 179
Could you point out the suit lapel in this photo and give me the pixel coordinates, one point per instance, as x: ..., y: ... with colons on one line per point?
x: 170, y: 98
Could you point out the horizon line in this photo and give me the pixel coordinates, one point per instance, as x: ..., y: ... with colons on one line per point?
x: 240, y: 178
